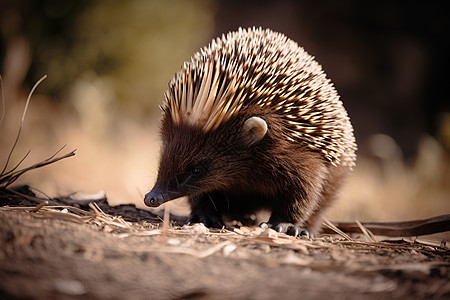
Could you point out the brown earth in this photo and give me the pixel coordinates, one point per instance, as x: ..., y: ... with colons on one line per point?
x: 49, y: 254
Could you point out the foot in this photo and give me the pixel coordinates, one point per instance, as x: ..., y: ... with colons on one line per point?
x: 288, y: 228
x: 211, y: 221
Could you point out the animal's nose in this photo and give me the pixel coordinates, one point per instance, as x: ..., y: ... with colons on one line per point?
x: 153, y: 198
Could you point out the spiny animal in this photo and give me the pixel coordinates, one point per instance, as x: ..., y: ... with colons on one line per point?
x: 252, y: 122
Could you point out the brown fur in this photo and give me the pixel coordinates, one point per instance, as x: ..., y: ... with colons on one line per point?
x: 288, y: 178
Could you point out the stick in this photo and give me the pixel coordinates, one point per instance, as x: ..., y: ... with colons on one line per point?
x: 3, y: 101
x: 334, y: 229
x: 20, y: 162
x: 21, y: 122
x: 398, y: 229
x: 367, y: 232
x: 166, y: 224
x: 8, y: 178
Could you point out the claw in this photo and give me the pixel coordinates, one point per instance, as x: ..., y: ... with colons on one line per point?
x: 292, y: 230
x: 265, y: 225
x: 305, y: 233
x: 288, y: 228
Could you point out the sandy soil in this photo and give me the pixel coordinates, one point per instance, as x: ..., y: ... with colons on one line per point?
x: 52, y: 255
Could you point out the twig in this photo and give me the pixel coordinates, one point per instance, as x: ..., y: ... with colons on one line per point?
x: 97, y: 210
x: 86, y: 213
x: 400, y: 229
x: 109, y: 220
x: 41, y: 205
x: 199, y: 254
x: 65, y: 216
x: 20, y: 162
x: 36, y: 190
x: 28, y: 197
x: 166, y: 223
x: 3, y: 101
x: 21, y: 122
x: 369, y: 235
x: 331, y: 226
x: 8, y: 178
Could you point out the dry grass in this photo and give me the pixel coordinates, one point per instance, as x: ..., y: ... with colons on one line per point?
x: 231, y: 239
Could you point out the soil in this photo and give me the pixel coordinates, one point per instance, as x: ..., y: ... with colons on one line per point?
x: 49, y: 254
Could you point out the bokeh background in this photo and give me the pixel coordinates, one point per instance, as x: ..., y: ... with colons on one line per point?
x: 108, y: 64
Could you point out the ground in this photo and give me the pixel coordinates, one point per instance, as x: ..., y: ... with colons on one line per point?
x: 49, y: 254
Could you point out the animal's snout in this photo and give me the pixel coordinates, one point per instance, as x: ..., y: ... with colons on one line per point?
x: 154, y: 198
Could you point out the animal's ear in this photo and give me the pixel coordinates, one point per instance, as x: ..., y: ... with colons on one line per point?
x: 254, y: 129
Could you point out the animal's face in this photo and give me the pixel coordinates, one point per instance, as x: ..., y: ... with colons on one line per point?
x: 194, y: 162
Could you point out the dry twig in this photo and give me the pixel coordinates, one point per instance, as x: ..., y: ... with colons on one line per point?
x: 331, y: 226
x: 369, y: 235
x: 3, y: 101
x: 399, y: 228
x: 21, y: 123
x: 9, y: 177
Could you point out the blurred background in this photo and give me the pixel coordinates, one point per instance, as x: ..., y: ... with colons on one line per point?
x: 108, y: 64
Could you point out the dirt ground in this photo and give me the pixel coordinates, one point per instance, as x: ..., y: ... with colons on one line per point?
x: 50, y: 254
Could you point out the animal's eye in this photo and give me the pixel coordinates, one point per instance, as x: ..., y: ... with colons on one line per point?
x: 198, y: 170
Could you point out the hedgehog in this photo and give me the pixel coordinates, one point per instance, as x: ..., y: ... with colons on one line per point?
x: 252, y: 123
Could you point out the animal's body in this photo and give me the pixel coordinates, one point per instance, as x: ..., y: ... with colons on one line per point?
x: 252, y: 122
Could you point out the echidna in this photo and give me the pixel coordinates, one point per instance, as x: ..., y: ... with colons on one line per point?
x: 252, y: 122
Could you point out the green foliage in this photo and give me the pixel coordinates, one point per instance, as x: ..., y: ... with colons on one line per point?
x: 134, y: 46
